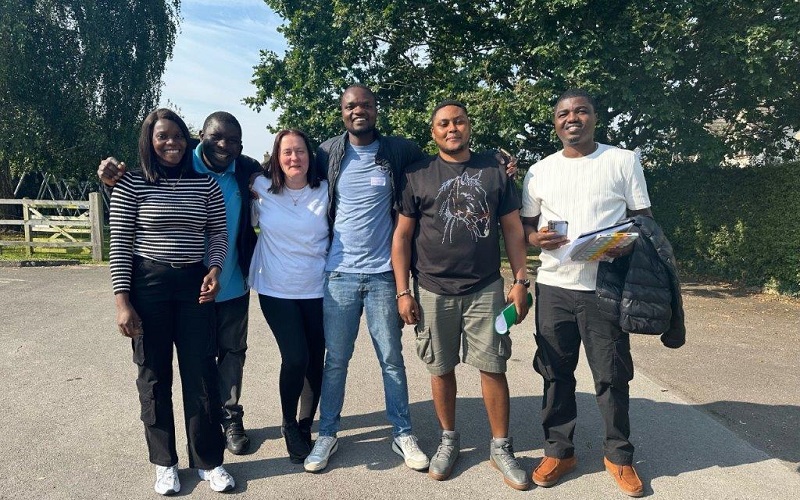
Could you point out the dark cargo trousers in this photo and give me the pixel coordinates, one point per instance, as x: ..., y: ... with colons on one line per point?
x: 564, y: 319
x: 166, y: 300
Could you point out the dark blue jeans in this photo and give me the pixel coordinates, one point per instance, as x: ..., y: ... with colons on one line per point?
x: 564, y: 319
x: 166, y: 300
x: 347, y: 295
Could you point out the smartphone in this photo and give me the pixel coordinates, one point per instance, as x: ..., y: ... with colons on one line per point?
x: 558, y: 226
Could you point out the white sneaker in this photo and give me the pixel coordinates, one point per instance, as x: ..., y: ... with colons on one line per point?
x: 407, y: 447
x: 322, y: 451
x: 167, y: 482
x: 218, y: 478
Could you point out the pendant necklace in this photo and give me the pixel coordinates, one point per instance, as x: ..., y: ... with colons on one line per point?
x: 177, y: 182
x: 295, y: 199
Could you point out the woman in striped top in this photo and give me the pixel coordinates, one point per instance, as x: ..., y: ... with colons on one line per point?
x: 164, y: 221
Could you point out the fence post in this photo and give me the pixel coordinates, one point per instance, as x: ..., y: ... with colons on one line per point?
x: 26, y: 216
x: 96, y: 222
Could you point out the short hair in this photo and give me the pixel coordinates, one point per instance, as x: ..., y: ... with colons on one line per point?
x: 360, y: 86
x: 151, y: 169
x: 274, y: 170
x: 576, y: 92
x: 448, y: 102
x: 222, y: 117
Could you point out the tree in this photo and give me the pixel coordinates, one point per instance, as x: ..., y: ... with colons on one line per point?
x: 677, y: 78
x: 76, y: 79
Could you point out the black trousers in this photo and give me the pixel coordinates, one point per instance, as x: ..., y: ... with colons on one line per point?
x: 564, y: 319
x: 231, y: 349
x: 297, y: 326
x: 166, y: 300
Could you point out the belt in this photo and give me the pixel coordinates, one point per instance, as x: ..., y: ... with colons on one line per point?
x: 173, y: 265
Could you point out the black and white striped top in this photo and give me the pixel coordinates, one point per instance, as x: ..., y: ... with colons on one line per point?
x: 168, y: 222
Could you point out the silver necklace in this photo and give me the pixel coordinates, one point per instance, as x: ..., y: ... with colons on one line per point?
x: 177, y: 182
x: 299, y: 195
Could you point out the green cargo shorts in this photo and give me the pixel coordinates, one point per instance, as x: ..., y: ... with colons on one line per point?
x: 450, y: 322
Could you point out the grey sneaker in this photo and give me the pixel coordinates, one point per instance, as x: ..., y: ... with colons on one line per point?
x: 445, y: 458
x: 501, y: 456
x: 322, y: 451
x: 407, y: 447
x: 167, y: 482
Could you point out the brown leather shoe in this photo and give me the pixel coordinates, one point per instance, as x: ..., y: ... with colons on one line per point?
x: 626, y: 478
x: 550, y: 470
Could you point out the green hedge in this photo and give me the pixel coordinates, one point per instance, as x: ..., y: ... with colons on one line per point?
x: 739, y: 224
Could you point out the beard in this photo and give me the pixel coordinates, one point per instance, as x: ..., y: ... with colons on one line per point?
x: 360, y: 132
x: 453, y: 150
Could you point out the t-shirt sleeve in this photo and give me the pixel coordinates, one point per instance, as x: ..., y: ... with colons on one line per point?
x: 406, y: 203
x: 509, y: 200
x: 530, y: 204
x: 636, y: 196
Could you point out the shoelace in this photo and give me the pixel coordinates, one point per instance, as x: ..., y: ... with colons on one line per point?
x: 409, y: 444
x: 323, y: 443
x: 166, y: 474
x: 443, y: 451
x: 220, y: 474
x: 508, y: 459
x: 235, y: 429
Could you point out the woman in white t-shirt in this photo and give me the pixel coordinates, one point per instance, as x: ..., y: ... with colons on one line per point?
x: 287, y: 271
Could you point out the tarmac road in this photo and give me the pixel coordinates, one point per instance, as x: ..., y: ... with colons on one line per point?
x: 72, y: 429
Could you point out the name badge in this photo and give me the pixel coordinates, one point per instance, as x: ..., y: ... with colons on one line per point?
x: 377, y: 181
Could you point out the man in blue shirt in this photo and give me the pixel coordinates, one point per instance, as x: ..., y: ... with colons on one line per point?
x: 219, y: 155
x: 363, y: 169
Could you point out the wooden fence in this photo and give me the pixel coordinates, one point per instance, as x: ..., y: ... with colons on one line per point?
x: 45, y: 229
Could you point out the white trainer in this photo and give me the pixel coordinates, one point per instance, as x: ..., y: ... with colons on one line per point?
x: 167, y: 482
x: 322, y: 451
x: 218, y: 478
x: 407, y: 447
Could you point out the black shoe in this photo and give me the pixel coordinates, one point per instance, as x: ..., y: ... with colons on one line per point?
x: 296, y: 444
x: 236, y: 439
x: 305, y: 431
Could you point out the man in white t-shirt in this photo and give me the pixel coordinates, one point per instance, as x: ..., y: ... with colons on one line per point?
x: 589, y: 185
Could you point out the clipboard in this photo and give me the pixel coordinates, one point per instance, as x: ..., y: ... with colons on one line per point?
x: 593, y: 245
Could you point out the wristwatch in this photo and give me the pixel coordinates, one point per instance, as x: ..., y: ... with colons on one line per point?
x: 526, y: 282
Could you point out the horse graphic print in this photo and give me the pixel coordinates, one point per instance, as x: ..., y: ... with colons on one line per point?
x: 464, y: 207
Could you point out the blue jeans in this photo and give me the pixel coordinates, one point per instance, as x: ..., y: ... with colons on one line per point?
x: 346, y: 296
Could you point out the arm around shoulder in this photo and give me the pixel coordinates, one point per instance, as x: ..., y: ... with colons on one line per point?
x: 250, y: 165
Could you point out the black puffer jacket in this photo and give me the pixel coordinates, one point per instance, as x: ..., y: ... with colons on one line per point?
x: 642, y: 290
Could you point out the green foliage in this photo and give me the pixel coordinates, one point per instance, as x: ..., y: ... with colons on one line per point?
x: 76, y: 79
x: 677, y: 79
x: 734, y: 223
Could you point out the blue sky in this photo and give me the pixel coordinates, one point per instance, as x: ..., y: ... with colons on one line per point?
x: 212, y: 65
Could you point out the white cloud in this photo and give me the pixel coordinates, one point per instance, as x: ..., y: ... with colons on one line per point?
x: 213, y: 60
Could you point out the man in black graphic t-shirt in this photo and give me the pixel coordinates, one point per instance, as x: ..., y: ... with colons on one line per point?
x: 450, y: 214
x: 457, y: 207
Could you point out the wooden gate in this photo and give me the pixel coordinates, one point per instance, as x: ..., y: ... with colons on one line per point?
x: 59, y: 224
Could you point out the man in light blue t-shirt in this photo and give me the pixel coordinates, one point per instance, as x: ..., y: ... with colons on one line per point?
x: 363, y: 169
